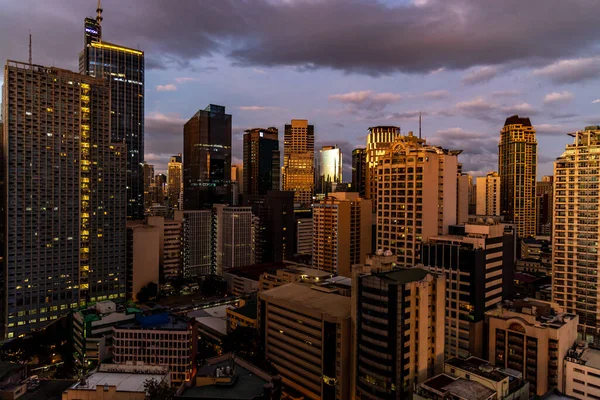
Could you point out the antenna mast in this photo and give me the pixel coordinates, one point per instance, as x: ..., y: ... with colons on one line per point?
x: 99, y: 13
x: 419, y: 124
x: 30, y: 47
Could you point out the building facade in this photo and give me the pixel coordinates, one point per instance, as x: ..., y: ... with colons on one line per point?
x: 148, y: 185
x: 174, y: 185
x: 304, y: 231
x: 299, y: 160
x: 488, y: 194
x: 582, y: 372
x: 207, y: 159
x: 517, y: 168
x: 262, y: 164
x: 234, y: 232
x: 341, y: 232
x: 359, y: 171
x: 170, y: 245
x: 576, y: 235
x: 63, y: 226
x: 197, y: 242
x: 123, y: 69
x: 143, y: 257
x: 329, y: 169
x: 379, y: 140
x: 544, y: 201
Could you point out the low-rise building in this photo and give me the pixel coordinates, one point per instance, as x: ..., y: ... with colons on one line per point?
x: 582, y: 372
x: 92, y: 330
x: 532, y: 337
x: 117, y: 382
x: 243, y: 316
x: 158, y: 338
x: 443, y: 386
x: 12, y: 376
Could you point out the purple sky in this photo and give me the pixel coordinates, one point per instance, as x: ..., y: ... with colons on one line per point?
x: 344, y: 65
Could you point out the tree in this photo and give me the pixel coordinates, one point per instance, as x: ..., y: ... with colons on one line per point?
x: 158, y: 391
x: 148, y: 292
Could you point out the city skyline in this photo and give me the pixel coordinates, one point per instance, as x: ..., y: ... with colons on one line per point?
x: 463, y: 100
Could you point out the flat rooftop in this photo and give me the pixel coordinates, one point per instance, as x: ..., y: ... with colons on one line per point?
x: 124, y: 382
x: 214, y: 318
x: 477, y: 366
x: 303, y: 295
x: 458, y: 387
x: 402, y: 276
x: 591, y: 358
x: 172, y: 323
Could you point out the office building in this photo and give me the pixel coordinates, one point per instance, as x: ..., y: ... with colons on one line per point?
x: 488, y: 194
x: 544, y: 196
x: 329, y: 169
x: 261, y: 161
x: 304, y: 230
x: 92, y: 331
x: 117, y: 382
x: 416, y: 196
x: 472, y: 196
x: 237, y: 175
x: 148, y: 185
x: 582, y: 372
x: 576, y: 237
x: 143, y: 257
x: 207, y: 159
x: 170, y: 247
x: 63, y: 226
x: 123, y: 69
x: 299, y: 160
x: 478, y: 261
x: 234, y: 232
x: 462, y: 198
x: 306, y: 333
x: 398, y: 322
x: 197, y: 242
x: 158, y: 338
x: 517, y: 168
x: 532, y: 337
x: 174, y: 184
x: 341, y: 232
x: 379, y: 141
x: 359, y: 171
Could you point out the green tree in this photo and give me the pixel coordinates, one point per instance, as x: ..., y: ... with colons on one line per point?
x: 148, y: 292
x: 158, y: 391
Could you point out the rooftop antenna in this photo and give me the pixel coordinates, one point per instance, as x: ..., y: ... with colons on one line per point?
x: 30, y: 47
x: 99, y: 13
x: 419, y: 124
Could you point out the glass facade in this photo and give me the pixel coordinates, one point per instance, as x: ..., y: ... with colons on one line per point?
x: 299, y: 160
x: 261, y: 161
x: 329, y: 168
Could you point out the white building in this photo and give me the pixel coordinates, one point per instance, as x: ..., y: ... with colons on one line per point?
x: 582, y: 373
x: 234, y: 237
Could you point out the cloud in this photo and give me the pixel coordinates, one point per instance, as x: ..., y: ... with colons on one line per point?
x: 479, y: 149
x: 550, y: 129
x: 414, y: 115
x: 166, y: 88
x: 484, y: 110
x: 571, y: 71
x: 437, y: 94
x: 506, y: 93
x: 185, y: 79
x: 480, y: 75
x: 558, y: 98
x: 156, y: 123
x: 367, y: 99
x: 596, y: 101
x: 521, y: 108
x: 256, y: 108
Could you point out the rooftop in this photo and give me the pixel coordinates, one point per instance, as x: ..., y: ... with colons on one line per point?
x: 124, y: 382
x: 533, y: 311
x: 253, y: 272
x: 248, y: 310
x: 214, y: 318
x: 402, y: 276
x: 156, y: 320
x: 303, y: 295
x: 584, y: 355
x: 477, y: 366
x: 458, y: 387
x: 516, y: 120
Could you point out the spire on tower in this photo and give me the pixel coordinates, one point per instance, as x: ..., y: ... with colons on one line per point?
x: 419, y: 124
x: 99, y: 13
x: 30, y: 47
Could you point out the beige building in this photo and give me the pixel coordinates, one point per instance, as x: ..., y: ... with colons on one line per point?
x: 234, y: 237
x: 517, y: 168
x: 299, y: 160
x: 341, y: 232
x: 488, y: 194
x: 306, y: 333
x: 416, y: 196
x: 174, y: 184
x: 532, y: 337
x: 143, y: 257
x: 170, y: 245
x: 582, y: 372
x: 379, y: 140
x: 398, y: 328
x: 462, y: 198
x: 576, y: 236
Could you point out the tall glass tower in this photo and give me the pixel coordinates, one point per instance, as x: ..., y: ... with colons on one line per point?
x: 123, y: 67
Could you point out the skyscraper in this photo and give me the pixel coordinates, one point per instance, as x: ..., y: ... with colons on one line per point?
x: 148, y: 184
x: 234, y: 238
x: 544, y: 196
x: 261, y: 161
x: 64, y: 216
x: 207, y: 159
x: 298, y: 160
x: 517, y: 167
x: 174, y: 182
x: 488, y: 194
x: 416, y: 195
x: 329, y: 168
x: 341, y: 232
x: 576, y: 236
x: 123, y: 68
x: 379, y: 139
x: 359, y: 171
x: 197, y: 237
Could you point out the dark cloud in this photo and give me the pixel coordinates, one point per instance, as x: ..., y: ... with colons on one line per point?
x: 363, y: 36
x: 480, y: 150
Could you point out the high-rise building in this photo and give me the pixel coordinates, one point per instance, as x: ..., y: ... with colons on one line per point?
x: 341, y: 232
x: 234, y: 231
x: 143, y: 257
x: 379, y: 140
x: 517, y: 168
x: 237, y: 175
x: 488, y: 194
x: 544, y: 196
x: 359, y: 171
x: 462, y: 198
x: 197, y: 242
x: 64, y: 203
x: 148, y: 185
x: 261, y: 161
x: 329, y: 169
x: 299, y: 160
x: 307, y: 337
x: 576, y: 236
x: 398, y: 322
x: 478, y: 261
x: 416, y: 196
x: 174, y: 186
x: 472, y: 196
x: 304, y: 230
x: 123, y: 68
x: 532, y: 337
x: 207, y: 159
x: 170, y: 245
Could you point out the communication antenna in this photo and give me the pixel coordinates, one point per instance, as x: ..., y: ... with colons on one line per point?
x: 30, y: 47
x: 99, y: 13
x: 419, y: 124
